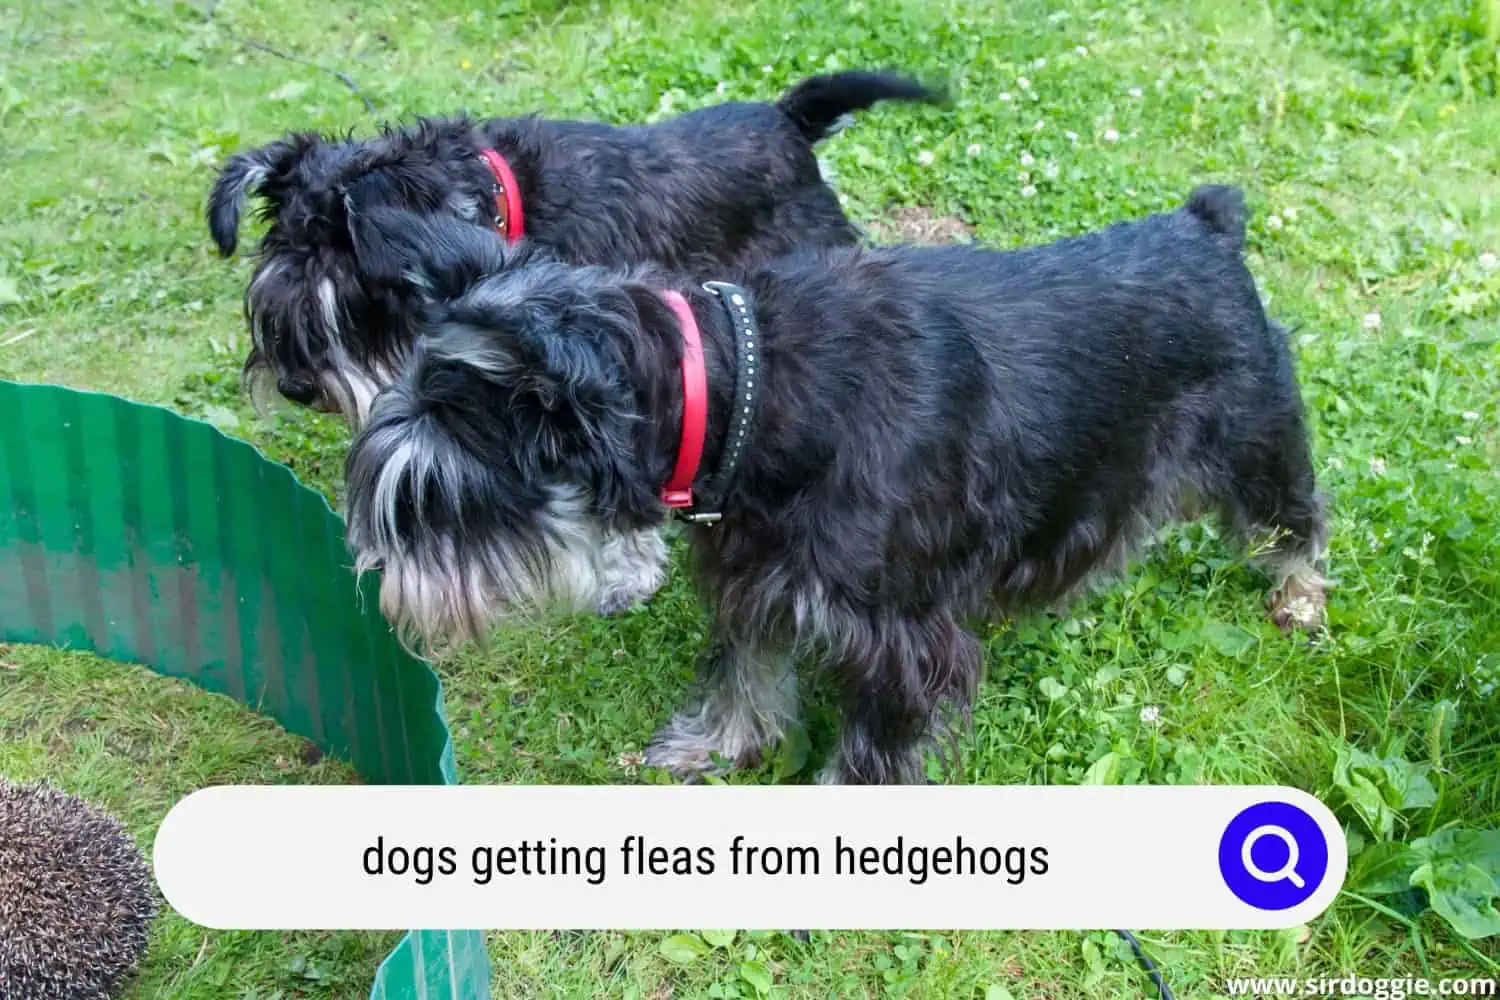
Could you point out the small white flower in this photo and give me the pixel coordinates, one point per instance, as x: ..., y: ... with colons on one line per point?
x: 1289, y: 213
x: 765, y: 69
x: 1110, y: 135
x: 1028, y: 191
x: 1071, y: 136
x: 1151, y: 715
x: 1040, y: 63
x: 1052, y: 170
x: 1027, y: 159
x: 916, y: 140
x: 1464, y: 440
x: 1377, y: 466
x: 1489, y: 261
x: 1371, y: 321
x: 1023, y: 83
x: 1081, y: 51
x: 1005, y: 97
x: 1024, y: 176
x: 1136, y: 92
x: 721, y: 87
x: 1470, y: 416
x: 1039, y: 125
x: 1273, y: 222
x: 974, y: 149
x: 925, y: 157
x: 1302, y: 611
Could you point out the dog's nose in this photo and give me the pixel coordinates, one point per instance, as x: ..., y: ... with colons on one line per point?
x: 303, y: 392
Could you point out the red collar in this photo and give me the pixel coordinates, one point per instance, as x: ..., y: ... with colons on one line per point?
x: 678, y: 493
x: 508, y: 216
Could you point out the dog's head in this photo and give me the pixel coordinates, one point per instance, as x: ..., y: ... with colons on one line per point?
x: 509, y: 469
x: 330, y: 323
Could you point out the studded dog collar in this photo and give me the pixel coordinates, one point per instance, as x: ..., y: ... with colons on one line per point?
x: 509, y: 219
x: 678, y: 493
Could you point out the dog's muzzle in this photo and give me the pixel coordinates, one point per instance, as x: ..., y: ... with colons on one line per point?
x: 303, y: 392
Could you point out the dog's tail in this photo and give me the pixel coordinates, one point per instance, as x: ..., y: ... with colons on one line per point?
x: 817, y: 104
x: 1222, y: 209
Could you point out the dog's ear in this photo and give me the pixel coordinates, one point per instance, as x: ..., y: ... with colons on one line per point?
x: 438, y: 255
x: 565, y: 394
x: 591, y: 409
x: 242, y: 175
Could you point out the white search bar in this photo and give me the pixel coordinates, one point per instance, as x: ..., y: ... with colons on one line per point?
x: 815, y: 857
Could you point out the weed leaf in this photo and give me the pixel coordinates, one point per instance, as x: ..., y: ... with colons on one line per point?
x: 683, y: 949
x: 1231, y: 640
x: 1103, y: 771
x: 1476, y: 847
x: 1385, y: 868
x: 1462, y: 894
x: 1379, y: 788
x: 758, y: 975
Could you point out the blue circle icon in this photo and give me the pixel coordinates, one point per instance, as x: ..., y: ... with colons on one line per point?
x: 1273, y: 856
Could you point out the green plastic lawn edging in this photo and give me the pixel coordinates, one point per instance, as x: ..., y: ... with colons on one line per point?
x: 143, y: 536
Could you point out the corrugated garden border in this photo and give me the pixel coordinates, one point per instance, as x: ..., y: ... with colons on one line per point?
x: 147, y: 537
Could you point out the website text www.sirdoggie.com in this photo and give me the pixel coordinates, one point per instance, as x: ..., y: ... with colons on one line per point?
x: 1375, y: 988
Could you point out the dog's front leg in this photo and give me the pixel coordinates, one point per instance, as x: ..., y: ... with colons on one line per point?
x: 747, y: 696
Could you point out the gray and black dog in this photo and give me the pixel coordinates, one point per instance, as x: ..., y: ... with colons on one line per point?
x: 723, y: 187
x: 940, y: 434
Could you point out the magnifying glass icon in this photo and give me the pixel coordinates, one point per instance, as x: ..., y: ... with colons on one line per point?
x: 1287, y: 871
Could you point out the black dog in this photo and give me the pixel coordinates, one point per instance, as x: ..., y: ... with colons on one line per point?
x: 720, y: 188
x: 938, y: 434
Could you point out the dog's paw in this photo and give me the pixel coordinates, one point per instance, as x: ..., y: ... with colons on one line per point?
x: 616, y: 603
x: 682, y: 748
x: 1298, y: 605
x: 687, y: 763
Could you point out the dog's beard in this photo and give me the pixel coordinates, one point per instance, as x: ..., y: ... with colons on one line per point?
x: 344, y: 385
x: 442, y: 585
x: 343, y: 388
x: 351, y: 390
x: 439, y: 589
x: 440, y: 594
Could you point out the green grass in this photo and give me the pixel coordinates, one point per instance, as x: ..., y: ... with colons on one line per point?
x: 1364, y: 132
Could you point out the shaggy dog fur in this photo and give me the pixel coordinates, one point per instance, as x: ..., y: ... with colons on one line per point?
x: 720, y: 188
x: 942, y: 434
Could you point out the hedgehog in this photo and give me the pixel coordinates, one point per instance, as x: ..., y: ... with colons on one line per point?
x: 76, y: 897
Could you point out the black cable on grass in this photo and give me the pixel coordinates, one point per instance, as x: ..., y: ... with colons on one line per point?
x: 250, y: 43
x: 1147, y: 964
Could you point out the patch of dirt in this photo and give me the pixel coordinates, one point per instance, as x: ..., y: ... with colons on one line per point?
x: 915, y: 224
